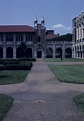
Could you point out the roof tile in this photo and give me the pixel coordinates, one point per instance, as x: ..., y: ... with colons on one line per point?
x: 16, y: 28
x: 51, y: 36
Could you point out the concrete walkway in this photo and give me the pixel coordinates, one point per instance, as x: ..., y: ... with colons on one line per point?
x: 41, y: 97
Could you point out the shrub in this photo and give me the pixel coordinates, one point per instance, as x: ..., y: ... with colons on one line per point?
x: 15, y: 61
x: 15, y: 67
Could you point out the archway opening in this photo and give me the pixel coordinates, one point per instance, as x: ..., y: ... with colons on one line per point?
x: 49, y: 53
x: 9, y: 52
x: 21, y: 50
x: 1, y: 52
x: 68, y: 53
x: 39, y: 54
x: 29, y: 53
x: 58, y: 53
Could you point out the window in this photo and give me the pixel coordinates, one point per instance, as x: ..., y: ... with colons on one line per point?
x: 26, y: 38
x: 1, y: 38
x: 31, y: 38
x: 16, y: 38
x: 19, y: 38
x: 9, y: 38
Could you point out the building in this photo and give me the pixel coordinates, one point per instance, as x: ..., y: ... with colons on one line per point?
x: 78, y: 36
x: 39, y: 42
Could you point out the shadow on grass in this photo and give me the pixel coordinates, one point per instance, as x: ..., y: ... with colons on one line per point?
x: 4, y: 76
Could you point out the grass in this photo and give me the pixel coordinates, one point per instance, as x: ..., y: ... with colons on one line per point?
x: 79, y: 100
x: 69, y: 73
x: 64, y: 60
x: 5, y: 103
x: 12, y: 76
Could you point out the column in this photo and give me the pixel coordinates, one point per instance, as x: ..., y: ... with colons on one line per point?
x: 35, y: 54
x: 63, y: 50
x: 82, y: 32
x: 43, y: 55
x: 4, y: 46
x: 24, y: 37
x: 4, y: 52
x: 14, y: 46
x: 53, y: 50
x: 35, y: 50
x: 77, y: 34
x: 82, y: 54
x: 73, y: 51
x: 14, y: 52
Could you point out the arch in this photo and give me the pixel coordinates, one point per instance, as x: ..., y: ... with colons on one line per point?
x: 58, y: 53
x: 49, y: 53
x: 9, y: 52
x: 29, y: 53
x: 1, y: 52
x: 68, y: 53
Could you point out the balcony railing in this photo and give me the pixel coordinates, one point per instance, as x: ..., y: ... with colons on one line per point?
x: 9, y: 42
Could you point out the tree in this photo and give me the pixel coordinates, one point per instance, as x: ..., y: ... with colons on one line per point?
x: 66, y: 37
x: 22, y: 50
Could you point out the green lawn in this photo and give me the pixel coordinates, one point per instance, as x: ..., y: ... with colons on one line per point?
x: 79, y: 100
x: 69, y: 73
x: 64, y: 60
x: 5, y: 103
x: 12, y: 76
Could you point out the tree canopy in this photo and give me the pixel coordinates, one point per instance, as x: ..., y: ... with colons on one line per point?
x: 66, y: 37
x: 22, y: 50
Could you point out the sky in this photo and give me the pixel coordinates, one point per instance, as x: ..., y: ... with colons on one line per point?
x: 58, y: 14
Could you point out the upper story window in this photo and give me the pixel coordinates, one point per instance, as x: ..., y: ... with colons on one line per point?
x: 1, y: 38
x: 9, y: 38
x: 19, y: 38
x: 29, y: 38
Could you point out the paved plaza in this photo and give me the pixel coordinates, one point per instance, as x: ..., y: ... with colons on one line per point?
x: 41, y: 97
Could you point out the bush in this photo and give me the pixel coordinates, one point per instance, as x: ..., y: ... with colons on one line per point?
x: 15, y: 64
x: 15, y: 61
x: 49, y: 56
x: 16, y: 67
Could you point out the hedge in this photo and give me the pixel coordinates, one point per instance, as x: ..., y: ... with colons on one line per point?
x: 18, y: 60
x: 16, y: 67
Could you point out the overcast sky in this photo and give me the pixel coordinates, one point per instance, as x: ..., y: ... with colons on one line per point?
x: 58, y: 14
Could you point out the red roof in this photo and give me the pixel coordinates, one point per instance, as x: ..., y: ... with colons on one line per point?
x: 51, y: 36
x: 16, y: 28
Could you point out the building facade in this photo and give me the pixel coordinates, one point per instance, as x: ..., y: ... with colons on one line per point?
x: 78, y: 36
x: 39, y: 42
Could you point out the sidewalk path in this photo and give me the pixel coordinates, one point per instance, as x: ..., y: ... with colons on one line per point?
x: 41, y: 97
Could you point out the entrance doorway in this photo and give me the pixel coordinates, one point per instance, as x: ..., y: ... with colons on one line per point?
x: 39, y: 54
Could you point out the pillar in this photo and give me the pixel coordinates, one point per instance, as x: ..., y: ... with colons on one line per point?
x: 4, y: 46
x: 24, y: 37
x: 43, y: 54
x: 35, y: 54
x: 14, y: 46
x: 14, y: 53
x: 63, y: 50
x: 53, y: 50
x: 4, y: 52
